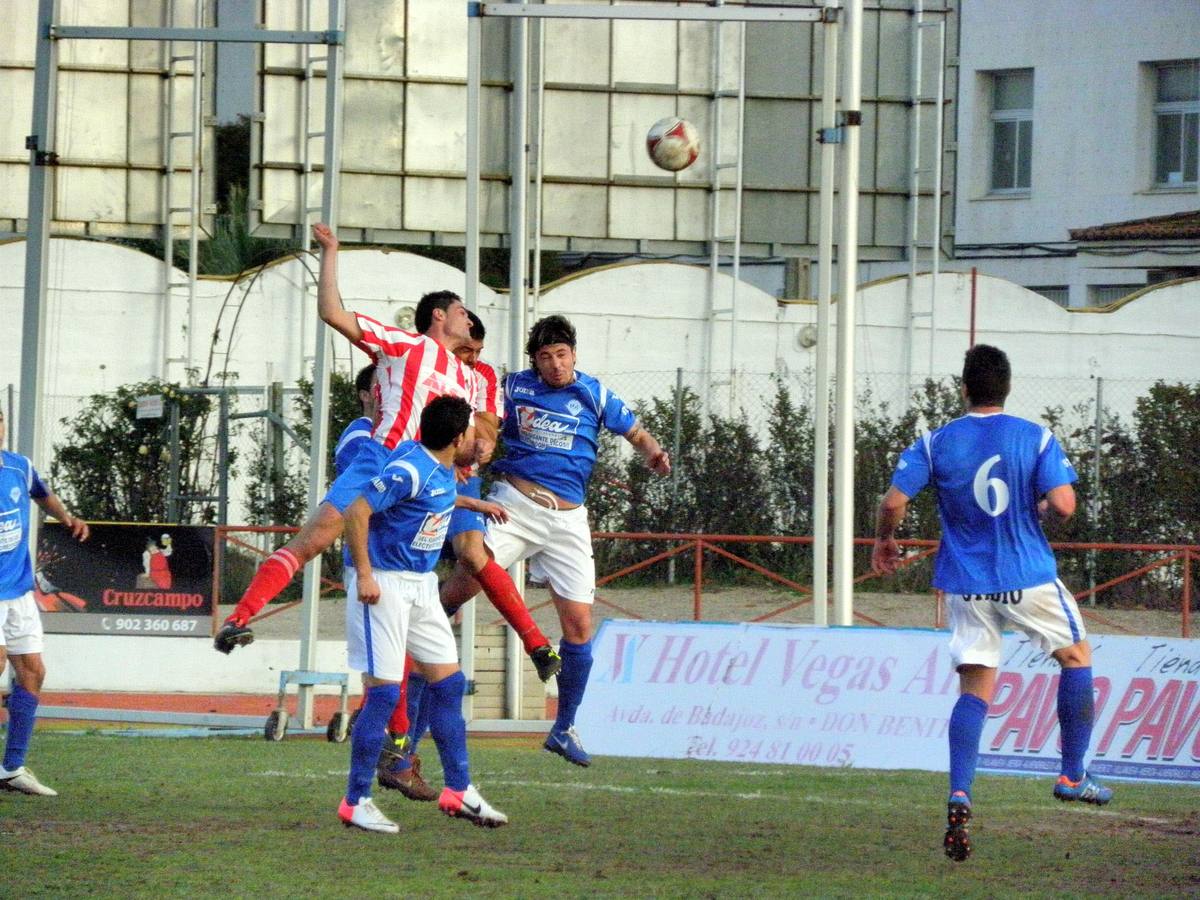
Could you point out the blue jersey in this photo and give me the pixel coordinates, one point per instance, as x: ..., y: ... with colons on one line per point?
x: 413, y: 500
x: 348, y: 445
x: 19, y: 483
x: 989, y: 472
x: 551, y: 434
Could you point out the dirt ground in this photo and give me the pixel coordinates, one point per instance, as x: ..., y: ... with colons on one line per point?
x: 733, y: 604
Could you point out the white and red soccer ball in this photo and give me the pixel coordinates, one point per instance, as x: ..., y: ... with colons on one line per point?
x: 673, y: 143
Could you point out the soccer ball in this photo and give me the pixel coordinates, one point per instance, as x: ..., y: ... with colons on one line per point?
x: 673, y: 143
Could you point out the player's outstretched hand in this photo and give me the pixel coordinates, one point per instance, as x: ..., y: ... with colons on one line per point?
x: 494, y: 511
x: 80, y: 530
x: 659, y: 463
x: 885, y: 557
x: 368, y: 589
x: 324, y: 236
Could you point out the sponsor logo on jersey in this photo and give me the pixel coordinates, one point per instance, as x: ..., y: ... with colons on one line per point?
x: 378, y: 484
x: 546, y: 430
x: 432, y: 533
x: 437, y: 492
x: 10, y: 531
x: 523, y: 390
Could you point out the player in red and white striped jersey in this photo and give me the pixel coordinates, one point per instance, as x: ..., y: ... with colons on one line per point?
x: 411, y: 369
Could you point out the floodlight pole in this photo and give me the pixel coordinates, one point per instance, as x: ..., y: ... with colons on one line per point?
x: 843, y: 465
x: 820, y: 520
x: 40, y: 144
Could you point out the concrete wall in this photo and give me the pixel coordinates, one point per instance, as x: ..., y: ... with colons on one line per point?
x: 637, y: 323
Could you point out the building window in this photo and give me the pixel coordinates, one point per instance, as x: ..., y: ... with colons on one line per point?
x: 1059, y: 293
x: 1176, y: 123
x: 1012, y: 131
x: 1104, y: 294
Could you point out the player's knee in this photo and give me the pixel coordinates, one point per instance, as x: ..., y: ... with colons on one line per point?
x: 30, y: 670
x: 471, y: 551
x: 1076, y: 656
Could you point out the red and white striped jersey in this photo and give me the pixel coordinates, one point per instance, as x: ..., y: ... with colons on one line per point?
x: 488, y: 399
x: 411, y: 369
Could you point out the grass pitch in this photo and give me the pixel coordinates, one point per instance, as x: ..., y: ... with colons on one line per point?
x: 157, y: 817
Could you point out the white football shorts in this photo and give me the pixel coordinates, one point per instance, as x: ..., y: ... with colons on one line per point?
x: 21, y: 625
x: 557, y: 543
x: 1047, y: 613
x: 408, y: 618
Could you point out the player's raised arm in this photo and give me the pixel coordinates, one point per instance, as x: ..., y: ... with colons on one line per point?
x: 644, y: 442
x: 329, y: 299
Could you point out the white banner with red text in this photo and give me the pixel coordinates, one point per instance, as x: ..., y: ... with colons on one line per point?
x: 878, y: 698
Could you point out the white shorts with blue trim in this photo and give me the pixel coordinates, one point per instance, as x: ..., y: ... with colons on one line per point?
x: 21, y: 625
x: 1047, y: 613
x: 407, y: 619
x: 557, y: 543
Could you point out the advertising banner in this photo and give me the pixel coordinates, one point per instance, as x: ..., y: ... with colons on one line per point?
x: 878, y: 698
x: 126, y: 579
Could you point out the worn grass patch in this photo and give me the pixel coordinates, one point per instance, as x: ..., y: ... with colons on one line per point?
x: 153, y: 817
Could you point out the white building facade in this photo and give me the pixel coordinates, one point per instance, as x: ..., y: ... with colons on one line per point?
x: 1072, y: 116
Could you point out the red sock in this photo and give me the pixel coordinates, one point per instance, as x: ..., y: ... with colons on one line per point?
x: 398, y: 723
x: 507, y: 599
x: 270, y: 579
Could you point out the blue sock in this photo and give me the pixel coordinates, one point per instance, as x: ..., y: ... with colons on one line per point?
x: 966, y: 727
x: 1076, y: 712
x: 449, y: 729
x: 418, y: 709
x: 22, y: 710
x: 572, y: 680
x: 366, y: 741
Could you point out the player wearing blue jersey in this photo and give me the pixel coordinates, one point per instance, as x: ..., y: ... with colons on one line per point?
x: 997, y: 478
x: 21, y: 641
x: 552, y: 420
x: 395, y: 531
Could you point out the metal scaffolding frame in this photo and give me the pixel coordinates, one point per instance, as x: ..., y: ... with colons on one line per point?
x: 42, y: 158
x: 843, y: 130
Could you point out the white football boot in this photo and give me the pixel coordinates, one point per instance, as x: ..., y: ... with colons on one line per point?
x: 470, y: 805
x: 366, y: 815
x: 22, y: 780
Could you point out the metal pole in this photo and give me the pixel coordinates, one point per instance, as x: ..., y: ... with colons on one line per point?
x: 737, y: 221
x: 539, y: 135
x: 37, y: 233
x: 223, y: 459
x: 914, y: 189
x: 518, y: 225
x: 320, y: 414
x: 166, y: 49
x: 1094, y: 500
x: 714, y: 211
x: 676, y: 443
x: 474, y: 76
x: 936, y: 238
x: 843, y: 467
x: 820, y: 548
x: 197, y: 169
x: 474, y: 39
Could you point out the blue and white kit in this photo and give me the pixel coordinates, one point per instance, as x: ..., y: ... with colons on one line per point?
x: 551, y: 436
x: 412, y: 496
x: 989, y: 471
x: 20, y: 622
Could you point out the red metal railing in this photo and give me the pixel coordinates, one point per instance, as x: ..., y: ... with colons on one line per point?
x: 699, y: 544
